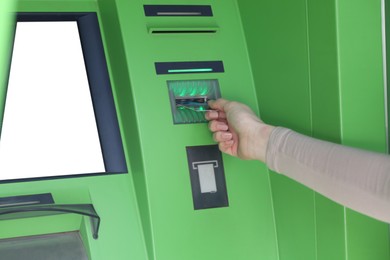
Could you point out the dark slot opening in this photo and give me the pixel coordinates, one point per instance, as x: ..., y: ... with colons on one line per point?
x: 189, y: 67
x: 182, y: 31
x: 178, y: 10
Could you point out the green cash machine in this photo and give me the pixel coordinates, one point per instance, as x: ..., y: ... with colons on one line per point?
x: 105, y: 152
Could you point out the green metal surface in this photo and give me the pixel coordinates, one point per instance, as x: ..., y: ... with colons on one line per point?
x: 362, y: 109
x: 174, y: 229
x: 325, y: 120
x: 153, y: 218
x: 314, y: 66
x: 278, y: 47
x: 121, y: 233
x: 318, y: 69
x: 6, y: 24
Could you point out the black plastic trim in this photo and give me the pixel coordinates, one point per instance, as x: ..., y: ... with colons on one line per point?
x: 178, y: 10
x: 182, y: 31
x: 167, y: 67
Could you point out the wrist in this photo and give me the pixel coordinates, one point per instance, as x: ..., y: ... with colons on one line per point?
x: 263, y: 135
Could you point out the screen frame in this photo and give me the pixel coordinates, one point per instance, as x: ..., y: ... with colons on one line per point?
x: 99, y: 86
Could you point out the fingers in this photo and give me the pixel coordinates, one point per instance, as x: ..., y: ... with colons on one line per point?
x: 222, y: 136
x: 219, y: 126
x: 218, y: 104
x: 216, y: 125
x: 227, y: 147
x: 214, y: 115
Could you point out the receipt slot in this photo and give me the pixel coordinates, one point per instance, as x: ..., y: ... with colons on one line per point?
x: 207, y: 177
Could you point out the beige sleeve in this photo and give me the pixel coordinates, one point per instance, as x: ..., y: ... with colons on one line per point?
x: 355, y: 178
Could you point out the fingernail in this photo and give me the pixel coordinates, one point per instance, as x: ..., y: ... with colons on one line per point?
x: 227, y: 135
x: 213, y: 114
x: 229, y: 143
x: 223, y: 127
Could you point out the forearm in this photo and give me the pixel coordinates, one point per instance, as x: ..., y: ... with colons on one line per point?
x: 354, y: 178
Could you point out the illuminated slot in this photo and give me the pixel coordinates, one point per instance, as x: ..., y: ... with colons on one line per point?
x: 189, y: 99
x: 189, y: 67
x: 179, y: 13
x: 190, y: 70
x: 178, y: 10
x: 194, y: 103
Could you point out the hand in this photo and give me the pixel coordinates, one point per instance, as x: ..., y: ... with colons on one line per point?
x: 238, y: 130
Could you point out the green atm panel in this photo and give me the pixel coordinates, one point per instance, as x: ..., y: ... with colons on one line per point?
x: 274, y: 59
x: 318, y: 69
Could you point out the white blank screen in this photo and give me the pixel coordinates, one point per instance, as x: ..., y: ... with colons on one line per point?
x: 49, y: 126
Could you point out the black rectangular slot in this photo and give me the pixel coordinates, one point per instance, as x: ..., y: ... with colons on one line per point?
x: 178, y: 10
x: 178, y: 31
x: 26, y: 200
x: 213, y: 192
x: 189, y: 67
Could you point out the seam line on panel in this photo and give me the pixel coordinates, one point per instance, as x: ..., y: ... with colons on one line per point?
x: 384, y: 54
x: 273, y: 213
x: 339, y: 71
x: 346, y: 234
x: 315, y: 224
x: 311, y: 119
x: 309, y: 67
x: 337, y: 14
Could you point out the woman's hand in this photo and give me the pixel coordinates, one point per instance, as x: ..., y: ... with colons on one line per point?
x: 238, y: 130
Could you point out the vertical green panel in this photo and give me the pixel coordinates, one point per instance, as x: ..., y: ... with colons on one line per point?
x: 245, y: 229
x: 362, y: 109
x: 276, y: 33
x: 361, y: 74
x: 324, y: 70
x: 6, y: 28
x: 125, y: 100
x: 325, y: 118
x: 330, y: 229
x: 121, y: 234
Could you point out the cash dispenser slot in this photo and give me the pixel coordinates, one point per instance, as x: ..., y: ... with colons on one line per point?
x: 62, y: 239
x: 37, y: 205
x: 189, y: 67
x: 53, y: 209
x: 178, y: 10
x: 60, y: 246
x: 26, y: 200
